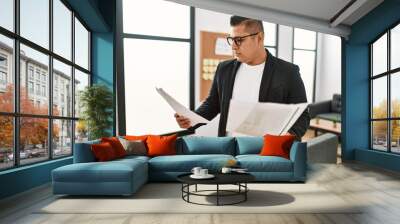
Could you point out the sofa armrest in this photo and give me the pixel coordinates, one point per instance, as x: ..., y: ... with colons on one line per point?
x: 319, y: 108
x: 298, y: 155
x: 83, y: 152
x: 323, y: 149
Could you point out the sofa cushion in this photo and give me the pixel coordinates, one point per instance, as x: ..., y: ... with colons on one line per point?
x: 257, y: 163
x: 277, y: 145
x: 185, y: 163
x: 136, y: 147
x: 161, y: 145
x: 330, y: 117
x: 116, y: 145
x: 103, y: 152
x: 249, y: 145
x: 195, y: 145
x: 112, y: 171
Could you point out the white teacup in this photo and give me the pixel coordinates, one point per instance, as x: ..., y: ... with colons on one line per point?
x: 196, y: 170
x: 203, y: 172
x: 226, y: 170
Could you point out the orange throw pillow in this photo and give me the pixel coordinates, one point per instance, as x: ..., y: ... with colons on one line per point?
x: 161, y: 145
x: 136, y: 138
x: 277, y: 145
x: 116, y: 145
x: 103, y: 152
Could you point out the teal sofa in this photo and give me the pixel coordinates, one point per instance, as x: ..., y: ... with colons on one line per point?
x: 125, y: 176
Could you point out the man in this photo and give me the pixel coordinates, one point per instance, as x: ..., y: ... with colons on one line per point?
x: 253, y: 76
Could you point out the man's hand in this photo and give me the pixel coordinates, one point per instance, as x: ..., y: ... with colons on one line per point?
x: 182, y: 121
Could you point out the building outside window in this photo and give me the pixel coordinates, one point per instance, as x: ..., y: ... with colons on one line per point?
x: 34, y: 82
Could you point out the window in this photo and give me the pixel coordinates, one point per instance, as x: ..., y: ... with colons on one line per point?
x: 304, y: 55
x: 147, y: 39
x: 385, y: 96
x: 62, y: 29
x: 6, y: 73
x: 81, y: 45
x: 63, y: 73
x: 3, y: 61
x: 30, y: 72
x: 270, y: 36
x: 30, y: 87
x: 3, y: 78
x: 45, y: 131
x: 35, y: 21
x: 7, y: 14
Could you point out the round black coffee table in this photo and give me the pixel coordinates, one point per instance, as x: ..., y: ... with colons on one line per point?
x: 238, y: 179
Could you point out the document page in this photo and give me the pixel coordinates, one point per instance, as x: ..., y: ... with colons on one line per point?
x: 258, y: 119
x: 180, y: 109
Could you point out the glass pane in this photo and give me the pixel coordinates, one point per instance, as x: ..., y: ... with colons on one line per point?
x: 395, y: 95
x: 33, y: 139
x: 269, y: 34
x: 35, y: 21
x: 7, y: 14
x: 62, y: 29
x: 304, y: 39
x: 34, y: 81
x: 81, y: 81
x: 305, y: 60
x: 395, y: 47
x: 166, y: 18
x: 6, y: 74
x: 395, y: 136
x: 6, y: 142
x: 62, y: 89
x: 62, y: 138
x: 379, y: 98
x: 146, y: 111
x: 379, y: 135
x: 272, y: 50
x: 81, y: 131
x: 379, y: 56
x: 81, y: 45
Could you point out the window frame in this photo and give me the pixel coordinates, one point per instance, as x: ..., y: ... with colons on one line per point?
x: 315, y: 58
x: 388, y: 74
x: 120, y: 80
x: 16, y: 114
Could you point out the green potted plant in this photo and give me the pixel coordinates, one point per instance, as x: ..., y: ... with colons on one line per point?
x: 96, y: 102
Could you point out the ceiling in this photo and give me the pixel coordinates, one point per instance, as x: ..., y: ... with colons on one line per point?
x: 327, y: 16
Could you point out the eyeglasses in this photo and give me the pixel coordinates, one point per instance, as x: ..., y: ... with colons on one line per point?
x: 238, y: 40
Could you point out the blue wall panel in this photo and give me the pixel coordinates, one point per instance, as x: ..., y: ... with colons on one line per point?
x: 356, y: 85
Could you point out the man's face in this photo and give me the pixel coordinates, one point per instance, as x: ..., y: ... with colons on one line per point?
x: 248, y: 47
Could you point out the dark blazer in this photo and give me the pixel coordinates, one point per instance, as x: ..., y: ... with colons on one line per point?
x: 280, y: 83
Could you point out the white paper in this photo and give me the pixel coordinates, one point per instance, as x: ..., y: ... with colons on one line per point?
x: 222, y: 47
x: 180, y: 109
x: 258, y: 119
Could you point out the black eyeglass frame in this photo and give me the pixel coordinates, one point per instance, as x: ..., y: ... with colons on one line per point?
x: 238, y: 40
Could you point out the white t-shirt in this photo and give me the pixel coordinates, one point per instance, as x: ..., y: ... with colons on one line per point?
x: 247, y: 85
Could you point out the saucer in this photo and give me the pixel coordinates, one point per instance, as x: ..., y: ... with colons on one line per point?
x: 208, y: 176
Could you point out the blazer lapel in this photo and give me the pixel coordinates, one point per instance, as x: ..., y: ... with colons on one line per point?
x: 266, y: 77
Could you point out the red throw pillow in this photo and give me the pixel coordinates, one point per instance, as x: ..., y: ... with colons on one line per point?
x: 277, y: 145
x: 103, y: 152
x: 161, y: 145
x: 116, y: 145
